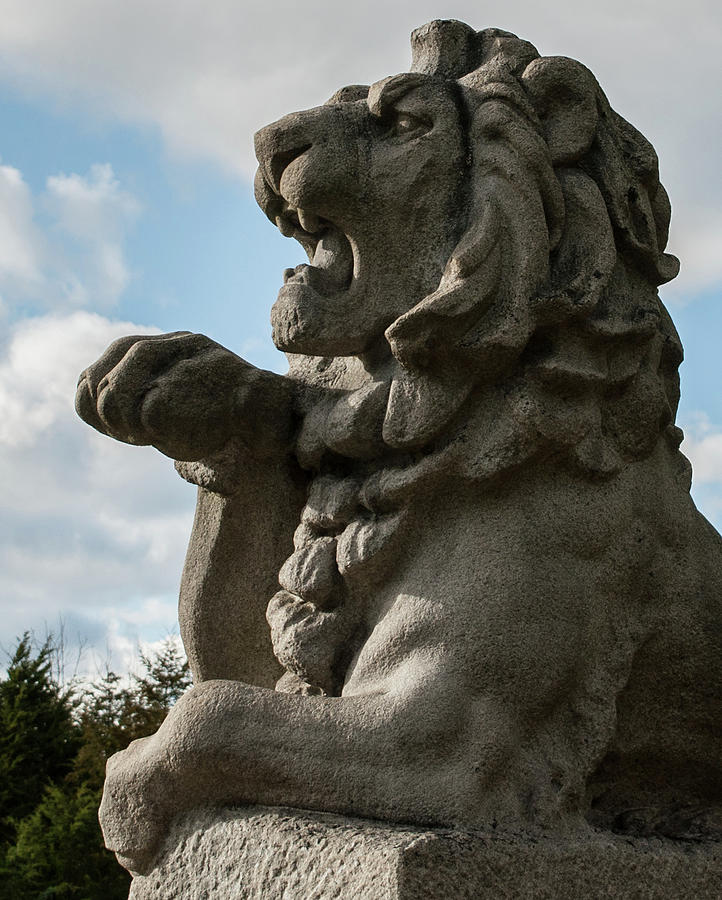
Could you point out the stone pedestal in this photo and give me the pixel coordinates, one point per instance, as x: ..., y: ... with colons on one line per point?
x: 277, y: 854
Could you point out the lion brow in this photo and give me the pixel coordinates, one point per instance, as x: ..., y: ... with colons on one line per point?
x: 384, y: 94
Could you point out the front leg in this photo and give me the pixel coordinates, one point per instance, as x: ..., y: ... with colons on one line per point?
x: 392, y: 757
x: 187, y: 396
x: 232, y: 426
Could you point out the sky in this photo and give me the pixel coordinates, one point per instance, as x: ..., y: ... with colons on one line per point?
x: 126, y: 206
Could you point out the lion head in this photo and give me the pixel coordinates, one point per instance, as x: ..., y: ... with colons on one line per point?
x: 484, y: 226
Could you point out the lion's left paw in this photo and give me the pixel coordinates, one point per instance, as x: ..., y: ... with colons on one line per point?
x: 135, y: 811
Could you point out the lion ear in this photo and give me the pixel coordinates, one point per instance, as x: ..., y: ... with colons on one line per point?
x: 564, y: 94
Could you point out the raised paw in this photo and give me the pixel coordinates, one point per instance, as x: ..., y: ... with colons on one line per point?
x: 183, y: 393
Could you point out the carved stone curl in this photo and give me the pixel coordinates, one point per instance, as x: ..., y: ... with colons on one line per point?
x: 463, y: 512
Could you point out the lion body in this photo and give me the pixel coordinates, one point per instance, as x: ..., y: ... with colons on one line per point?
x: 498, y: 603
x: 573, y: 622
x: 515, y: 533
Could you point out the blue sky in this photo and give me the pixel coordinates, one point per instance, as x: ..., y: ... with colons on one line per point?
x: 126, y: 205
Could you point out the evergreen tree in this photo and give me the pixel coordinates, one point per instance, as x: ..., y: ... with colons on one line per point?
x: 58, y: 852
x: 38, y: 738
x: 167, y: 677
x: 53, y: 848
x: 111, y: 714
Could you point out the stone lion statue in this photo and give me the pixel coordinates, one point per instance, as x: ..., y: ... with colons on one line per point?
x: 446, y: 570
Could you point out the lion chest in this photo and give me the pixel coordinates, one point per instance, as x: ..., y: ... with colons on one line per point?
x: 412, y: 640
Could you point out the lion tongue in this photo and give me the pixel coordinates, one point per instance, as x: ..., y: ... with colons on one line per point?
x: 334, y: 258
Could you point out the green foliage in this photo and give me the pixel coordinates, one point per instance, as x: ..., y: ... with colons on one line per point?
x: 58, y: 851
x: 53, y: 749
x: 38, y: 738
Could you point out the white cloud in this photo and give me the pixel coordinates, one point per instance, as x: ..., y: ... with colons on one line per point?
x: 703, y: 447
x: 19, y: 239
x: 699, y: 247
x: 91, y: 215
x: 40, y: 367
x: 77, y: 259
x: 706, y: 458
x: 208, y: 75
x: 83, y: 204
x: 98, y: 529
x: 89, y: 527
x: 122, y: 649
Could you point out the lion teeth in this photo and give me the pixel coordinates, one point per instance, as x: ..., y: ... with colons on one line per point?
x: 334, y: 256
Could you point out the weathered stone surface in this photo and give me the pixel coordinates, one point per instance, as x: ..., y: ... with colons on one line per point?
x: 260, y: 854
x: 500, y: 608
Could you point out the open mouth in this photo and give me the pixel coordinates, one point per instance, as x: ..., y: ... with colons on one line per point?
x: 331, y: 258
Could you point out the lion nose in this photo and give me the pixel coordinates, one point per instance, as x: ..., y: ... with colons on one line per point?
x: 278, y: 144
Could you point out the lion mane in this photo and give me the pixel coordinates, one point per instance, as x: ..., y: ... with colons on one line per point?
x: 548, y: 305
x: 545, y: 337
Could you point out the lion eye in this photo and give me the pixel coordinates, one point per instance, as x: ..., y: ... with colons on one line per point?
x: 405, y: 125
